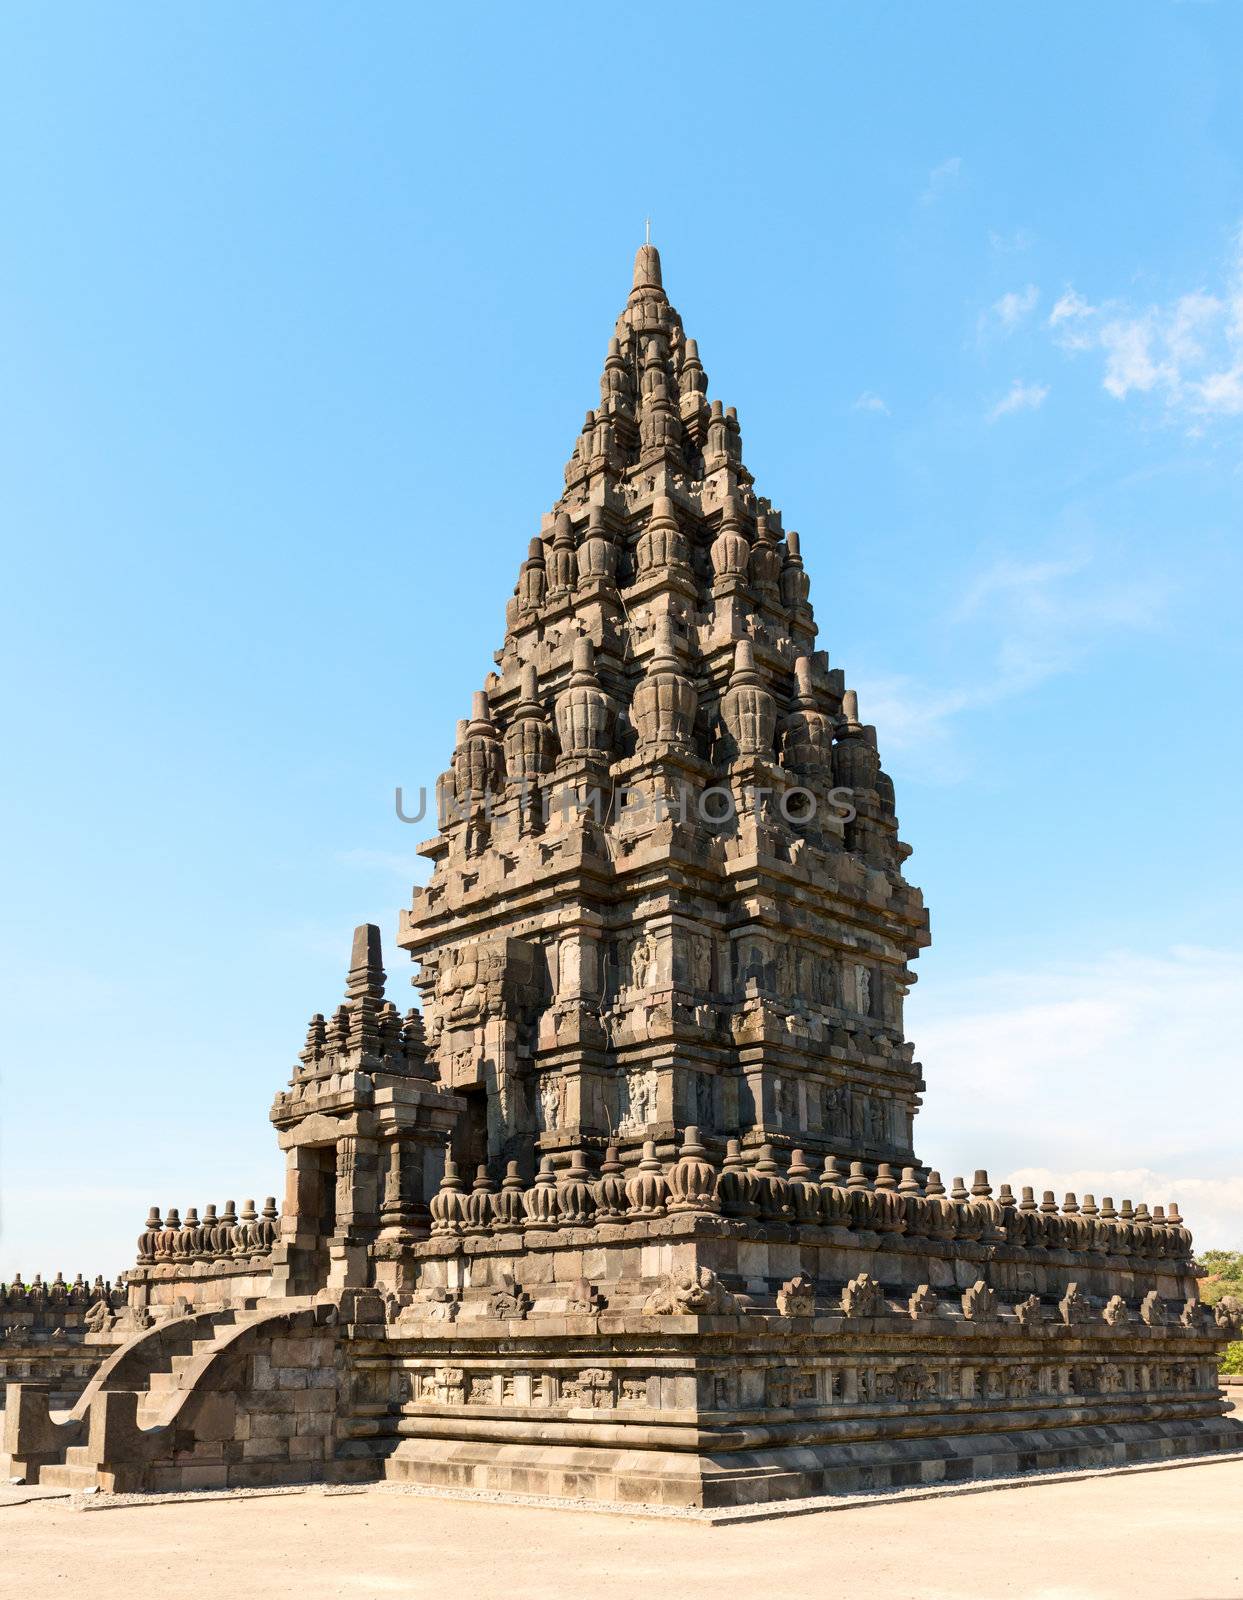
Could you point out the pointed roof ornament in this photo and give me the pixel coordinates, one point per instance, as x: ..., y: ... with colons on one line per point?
x: 528, y: 692
x: 366, y: 974
x: 647, y: 268
x: 480, y: 710
x: 583, y: 660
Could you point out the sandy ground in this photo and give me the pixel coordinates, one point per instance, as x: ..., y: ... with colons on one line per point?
x: 1176, y: 1535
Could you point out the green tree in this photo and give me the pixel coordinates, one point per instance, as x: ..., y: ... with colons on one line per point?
x: 1225, y: 1275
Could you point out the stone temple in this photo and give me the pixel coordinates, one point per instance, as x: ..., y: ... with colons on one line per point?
x: 630, y: 1209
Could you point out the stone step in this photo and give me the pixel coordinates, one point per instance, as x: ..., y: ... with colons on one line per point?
x: 63, y: 1476
x: 162, y: 1382
x: 168, y: 1376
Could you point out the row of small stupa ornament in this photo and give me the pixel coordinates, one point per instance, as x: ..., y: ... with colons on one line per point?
x: 22, y: 1296
x: 212, y: 1237
x: 397, y: 1041
x: 772, y: 570
x: 743, y: 1188
x: 816, y: 747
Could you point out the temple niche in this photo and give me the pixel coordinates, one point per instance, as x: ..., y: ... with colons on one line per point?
x: 629, y: 1207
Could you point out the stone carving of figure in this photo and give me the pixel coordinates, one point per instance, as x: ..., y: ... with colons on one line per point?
x: 638, y: 1100
x: 642, y: 960
x: 701, y: 964
x: 780, y: 1102
x: 863, y: 990
x: 550, y: 1102
x: 875, y: 1121
x: 704, y: 1116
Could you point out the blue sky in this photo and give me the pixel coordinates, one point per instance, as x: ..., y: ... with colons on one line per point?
x: 301, y: 308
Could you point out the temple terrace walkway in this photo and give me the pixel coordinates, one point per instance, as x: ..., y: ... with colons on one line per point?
x: 1173, y: 1534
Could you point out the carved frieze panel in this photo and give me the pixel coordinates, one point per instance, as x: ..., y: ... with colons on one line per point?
x: 593, y: 1386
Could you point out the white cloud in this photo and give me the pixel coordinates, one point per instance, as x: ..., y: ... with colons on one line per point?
x: 1109, y: 1076
x: 1129, y: 360
x: 1021, y: 397
x: 1221, y: 392
x: 868, y: 401
x: 1070, y: 307
x: 1187, y: 351
x: 942, y: 177
x: 1072, y: 322
x: 1012, y: 308
x: 1191, y: 326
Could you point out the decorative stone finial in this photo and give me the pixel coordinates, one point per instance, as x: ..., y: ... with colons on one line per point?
x: 610, y: 1187
x: 597, y: 554
x: 747, y: 709
x: 731, y: 550
x: 576, y: 1193
x: 736, y: 1186
x: 648, y: 1189
x: 692, y: 1179
x: 664, y: 704
x: 542, y: 1201
x: 366, y: 974
x: 795, y: 584
x: 647, y: 268
x: 448, y: 1204
x: 585, y: 714
x: 662, y: 546
x: 561, y: 565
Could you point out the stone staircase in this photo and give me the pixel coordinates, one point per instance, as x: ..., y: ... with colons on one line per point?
x: 209, y: 1400
x: 123, y: 1421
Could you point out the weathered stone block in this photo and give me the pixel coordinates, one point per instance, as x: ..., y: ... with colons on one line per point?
x: 271, y: 1425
